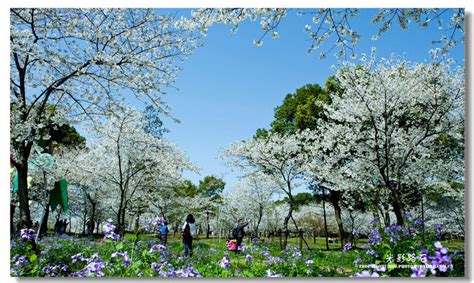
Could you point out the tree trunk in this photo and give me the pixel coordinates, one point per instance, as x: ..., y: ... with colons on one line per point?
x: 122, y: 222
x: 84, y: 224
x: 352, y: 228
x: 12, y: 224
x: 397, y: 207
x: 334, y: 197
x: 423, y: 221
x: 44, y: 222
x: 137, y: 222
x: 260, y: 215
x: 208, y: 225
x: 92, y: 219
x: 285, y: 226
x: 25, y: 216
x: 120, y: 213
x: 119, y: 218
x: 386, y: 217
x: 337, y: 213
x: 325, y: 223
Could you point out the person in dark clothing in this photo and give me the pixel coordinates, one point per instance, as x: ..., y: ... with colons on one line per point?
x: 240, y: 234
x: 57, y: 225
x: 63, y: 226
x: 188, y: 230
x: 36, y: 226
x: 90, y: 227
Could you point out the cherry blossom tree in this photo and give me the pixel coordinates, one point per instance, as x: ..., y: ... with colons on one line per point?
x: 388, y: 130
x: 131, y: 161
x: 331, y: 24
x: 251, y: 198
x: 448, y: 210
x: 79, y: 167
x: 278, y: 156
x: 82, y: 61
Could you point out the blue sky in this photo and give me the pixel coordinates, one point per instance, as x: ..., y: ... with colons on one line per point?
x: 229, y: 87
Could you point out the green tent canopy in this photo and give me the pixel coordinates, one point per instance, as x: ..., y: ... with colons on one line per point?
x: 59, y: 195
x: 43, y: 161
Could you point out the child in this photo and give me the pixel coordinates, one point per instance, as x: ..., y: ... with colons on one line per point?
x: 164, y: 233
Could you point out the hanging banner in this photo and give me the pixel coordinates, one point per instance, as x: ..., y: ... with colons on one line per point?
x: 59, y: 195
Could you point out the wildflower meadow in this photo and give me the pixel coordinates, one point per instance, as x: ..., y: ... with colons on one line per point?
x: 237, y: 142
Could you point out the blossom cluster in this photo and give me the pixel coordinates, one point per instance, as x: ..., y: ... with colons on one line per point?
x: 27, y: 234
x: 109, y: 231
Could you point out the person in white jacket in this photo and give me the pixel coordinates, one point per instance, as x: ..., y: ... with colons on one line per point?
x: 189, y: 229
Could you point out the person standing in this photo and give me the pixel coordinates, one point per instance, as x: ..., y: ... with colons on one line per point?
x: 36, y: 226
x: 57, y: 225
x: 64, y: 224
x: 90, y: 227
x: 240, y: 234
x: 188, y: 230
x: 164, y: 233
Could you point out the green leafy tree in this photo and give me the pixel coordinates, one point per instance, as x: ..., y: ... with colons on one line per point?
x: 212, y: 188
x: 300, y: 200
x: 300, y: 111
x: 186, y: 189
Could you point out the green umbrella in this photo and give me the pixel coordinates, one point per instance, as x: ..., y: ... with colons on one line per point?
x: 43, y: 161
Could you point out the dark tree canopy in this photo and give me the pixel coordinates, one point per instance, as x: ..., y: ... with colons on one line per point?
x: 300, y: 200
x: 301, y: 110
x: 211, y: 186
x: 186, y: 189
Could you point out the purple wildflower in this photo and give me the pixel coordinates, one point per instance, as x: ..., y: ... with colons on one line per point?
x: 155, y: 224
x: 94, y: 269
x: 22, y: 261
x: 347, y: 247
x: 109, y: 231
x: 378, y: 268
x: 366, y: 273
x: 165, y: 269
x: 154, y: 266
x: 225, y: 263
x: 94, y: 257
x: 188, y: 272
x: 78, y: 257
x: 27, y: 234
x: 419, y: 222
x: 248, y: 258
x: 372, y: 253
x: 418, y: 271
x: 161, y: 248
x: 437, y: 228
x: 374, y: 237
x: 272, y: 274
x: 358, y: 261
x: 124, y: 255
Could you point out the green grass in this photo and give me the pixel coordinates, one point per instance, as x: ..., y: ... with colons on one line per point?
x: 320, y: 241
